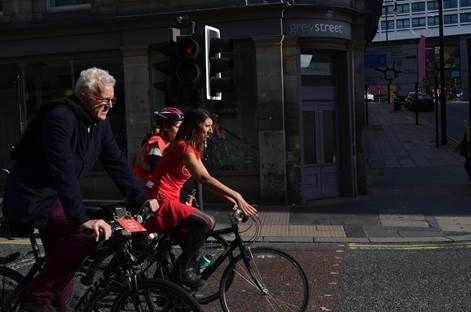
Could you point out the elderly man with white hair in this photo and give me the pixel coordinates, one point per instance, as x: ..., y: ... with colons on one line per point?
x: 61, y: 144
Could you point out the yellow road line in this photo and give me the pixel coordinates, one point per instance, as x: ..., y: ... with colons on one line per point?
x: 15, y: 241
x: 411, y: 246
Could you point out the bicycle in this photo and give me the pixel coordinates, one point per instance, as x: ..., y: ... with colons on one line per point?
x: 265, y: 277
x: 112, y: 276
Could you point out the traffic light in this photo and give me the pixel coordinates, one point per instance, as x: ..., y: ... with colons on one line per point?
x: 216, y: 64
x: 164, y: 63
x: 189, y: 67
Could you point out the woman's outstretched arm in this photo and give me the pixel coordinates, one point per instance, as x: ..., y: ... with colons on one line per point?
x: 201, y: 175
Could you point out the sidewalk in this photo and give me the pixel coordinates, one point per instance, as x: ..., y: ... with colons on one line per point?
x: 417, y: 193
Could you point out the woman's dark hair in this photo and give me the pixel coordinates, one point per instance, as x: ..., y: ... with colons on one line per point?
x: 187, y: 131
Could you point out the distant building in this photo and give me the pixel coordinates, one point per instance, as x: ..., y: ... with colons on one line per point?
x: 294, y: 125
x: 399, y: 29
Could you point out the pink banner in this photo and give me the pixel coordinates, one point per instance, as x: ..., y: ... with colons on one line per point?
x: 421, y: 59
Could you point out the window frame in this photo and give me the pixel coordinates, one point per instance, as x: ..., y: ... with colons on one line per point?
x: 418, y: 18
x: 435, y: 17
x: 430, y: 2
x: 468, y: 3
x: 71, y: 7
x: 465, y: 14
x: 415, y: 4
x: 450, y: 15
x: 403, y: 5
x: 389, y: 28
x: 402, y: 20
x: 450, y: 8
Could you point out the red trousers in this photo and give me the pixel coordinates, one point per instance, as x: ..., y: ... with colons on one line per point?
x: 65, y: 250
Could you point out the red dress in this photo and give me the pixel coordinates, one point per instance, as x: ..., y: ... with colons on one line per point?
x: 169, y: 177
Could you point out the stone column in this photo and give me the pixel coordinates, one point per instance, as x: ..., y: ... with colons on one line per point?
x: 359, y: 168
x: 464, y: 63
x: 136, y: 96
x: 292, y: 118
x: 271, y: 119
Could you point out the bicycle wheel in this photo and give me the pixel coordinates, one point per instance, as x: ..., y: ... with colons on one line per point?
x: 270, y: 281
x: 156, y: 295
x: 9, y: 280
x: 215, y: 246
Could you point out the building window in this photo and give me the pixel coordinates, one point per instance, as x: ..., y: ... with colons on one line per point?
x: 418, y: 7
x: 465, y: 17
x: 450, y: 19
x: 465, y: 3
x: 388, y: 9
x: 418, y: 22
x: 432, y: 21
x: 61, y: 5
x: 450, y: 4
x: 403, y: 8
x: 432, y: 5
x: 403, y: 23
x: 390, y: 25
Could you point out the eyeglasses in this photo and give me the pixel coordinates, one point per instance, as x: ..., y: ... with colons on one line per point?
x: 102, y: 100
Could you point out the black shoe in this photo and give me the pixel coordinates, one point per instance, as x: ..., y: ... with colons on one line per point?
x: 190, y: 279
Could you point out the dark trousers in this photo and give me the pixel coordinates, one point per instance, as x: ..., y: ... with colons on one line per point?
x: 191, y: 234
x: 65, y: 250
x: 467, y: 167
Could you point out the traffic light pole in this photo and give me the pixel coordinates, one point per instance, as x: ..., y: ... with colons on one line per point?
x: 444, y: 135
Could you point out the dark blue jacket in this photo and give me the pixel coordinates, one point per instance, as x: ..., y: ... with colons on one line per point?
x: 62, y: 145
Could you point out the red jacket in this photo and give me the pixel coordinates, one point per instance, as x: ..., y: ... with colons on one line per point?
x: 155, y: 146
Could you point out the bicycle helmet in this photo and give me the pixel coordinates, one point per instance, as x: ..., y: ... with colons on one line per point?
x: 169, y: 114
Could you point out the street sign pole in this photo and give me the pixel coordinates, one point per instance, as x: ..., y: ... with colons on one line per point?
x: 444, y: 137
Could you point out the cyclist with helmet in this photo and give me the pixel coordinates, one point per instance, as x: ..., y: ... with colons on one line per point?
x: 168, y: 121
x: 183, y: 160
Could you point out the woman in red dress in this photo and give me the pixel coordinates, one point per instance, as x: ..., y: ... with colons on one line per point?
x: 182, y: 160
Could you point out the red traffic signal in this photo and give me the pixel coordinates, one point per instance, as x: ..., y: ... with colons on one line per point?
x: 188, y: 68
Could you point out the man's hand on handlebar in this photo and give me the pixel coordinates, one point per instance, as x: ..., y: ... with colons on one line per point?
x: 99, y: 228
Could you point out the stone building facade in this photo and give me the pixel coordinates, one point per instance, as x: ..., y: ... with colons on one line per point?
x: 293, y: 128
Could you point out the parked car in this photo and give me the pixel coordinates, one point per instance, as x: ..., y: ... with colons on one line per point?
x: 424, y: 102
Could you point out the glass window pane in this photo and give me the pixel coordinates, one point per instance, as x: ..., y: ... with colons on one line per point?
x: 309, y: 124
x: 403, y: 8
x: 403, y: 23
x: 61, y: 3
x: 316, y: 71
x: 418, y: 6
x: 432, y: 20
x: 418, y: 22
x: 450, y: 4
x: 465, y: 17
x: 465, y: 3
x: 330, y: 139
x: 432, y: 5
x: 450, y: 19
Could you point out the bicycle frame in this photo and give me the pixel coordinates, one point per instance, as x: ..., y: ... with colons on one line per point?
x: 238, y: 242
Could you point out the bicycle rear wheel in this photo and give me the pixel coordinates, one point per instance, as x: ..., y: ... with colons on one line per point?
x: 156, y: 295
x: 271, y: 280
x: 215, y: 246
x: 9, y: 280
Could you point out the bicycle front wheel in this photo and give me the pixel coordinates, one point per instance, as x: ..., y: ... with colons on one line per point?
x: 156, y: 295
x: 270, y: 280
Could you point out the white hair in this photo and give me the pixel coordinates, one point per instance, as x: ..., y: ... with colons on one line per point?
x: 90, y: 78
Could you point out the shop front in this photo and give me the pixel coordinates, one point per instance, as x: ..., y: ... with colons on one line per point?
x: 292, y: 128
